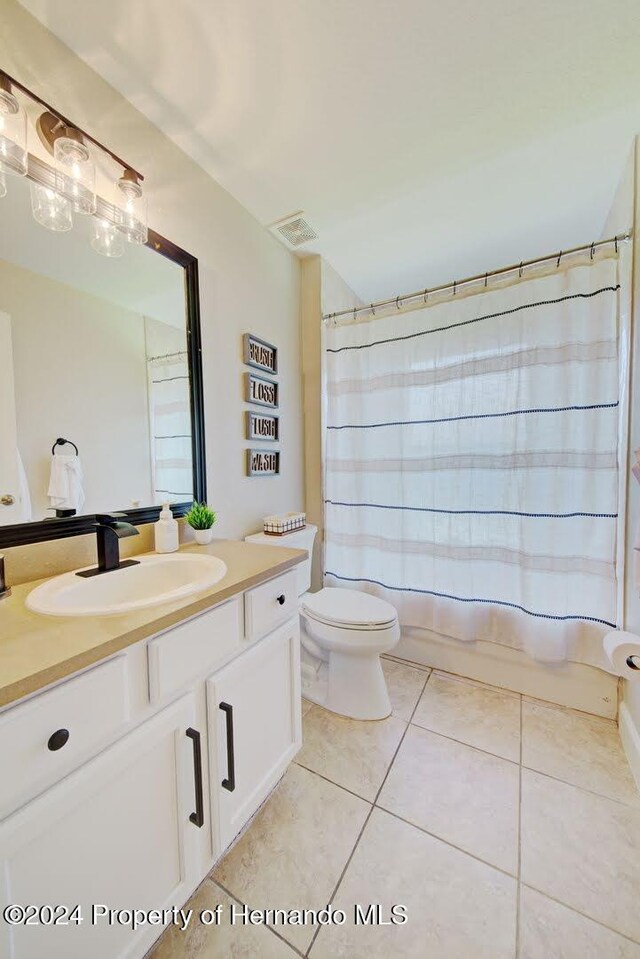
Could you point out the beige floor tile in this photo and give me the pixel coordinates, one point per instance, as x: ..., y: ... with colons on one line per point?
x: 294, y: 852
x: 457, y: 907
x: 306, y: 706
x: 458, y: 793
x: 200, y: 941
x: 551, y: 931
x: 583, y: 850
x: 405, y: 662
x: 479, y: 715
x: 578, y: 748
x: 350, y: 752
x: 405, y: 683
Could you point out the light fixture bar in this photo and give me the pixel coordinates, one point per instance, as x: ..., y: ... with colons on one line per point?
x: 68, y: 123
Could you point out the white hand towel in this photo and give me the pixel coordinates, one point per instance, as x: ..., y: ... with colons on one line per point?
x: 65, y: 483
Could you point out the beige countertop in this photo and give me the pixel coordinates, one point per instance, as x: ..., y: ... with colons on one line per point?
x: 38, y: 650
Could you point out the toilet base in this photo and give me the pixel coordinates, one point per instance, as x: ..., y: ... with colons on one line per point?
x: 351, y: 686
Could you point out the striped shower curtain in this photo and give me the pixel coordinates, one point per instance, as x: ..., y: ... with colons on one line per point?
x: 471, y: 462
x: 170, y: 422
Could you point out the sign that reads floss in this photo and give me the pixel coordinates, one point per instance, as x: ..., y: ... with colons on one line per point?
x: 260, y: 391
x: 260, y: 354
x: 262, y: 463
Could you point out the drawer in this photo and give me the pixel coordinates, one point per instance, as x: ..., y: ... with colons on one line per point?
x: 189, y: 652
x: 266, y: 606
x: 91, y: 707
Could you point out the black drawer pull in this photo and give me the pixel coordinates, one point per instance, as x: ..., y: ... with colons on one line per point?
x: 58, y: 739
x: 281, y: 599
x: 197, y: 817
x: 230, y: 782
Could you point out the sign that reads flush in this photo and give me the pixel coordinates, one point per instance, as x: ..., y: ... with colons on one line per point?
x: 260, y: 391
x: 263, y: 463
x: 261, y: 426
x: 260, y: 354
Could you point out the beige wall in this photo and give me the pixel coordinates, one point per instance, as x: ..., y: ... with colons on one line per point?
x: 322, y: 291
x: 80, y: 372
x: 248, y: 281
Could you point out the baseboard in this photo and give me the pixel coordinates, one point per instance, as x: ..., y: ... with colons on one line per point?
x: 567, y: 684
x: 630, y: 736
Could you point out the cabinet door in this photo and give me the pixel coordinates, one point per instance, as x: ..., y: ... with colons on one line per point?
x: 117, y: 832
x: 253, y: 708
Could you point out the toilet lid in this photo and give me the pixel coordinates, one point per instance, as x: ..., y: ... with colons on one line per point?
x: 348, y: 607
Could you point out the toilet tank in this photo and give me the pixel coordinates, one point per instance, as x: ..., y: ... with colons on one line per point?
x: 301, y: 539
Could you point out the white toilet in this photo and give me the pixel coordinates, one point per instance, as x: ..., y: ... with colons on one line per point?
x: 342, y: 632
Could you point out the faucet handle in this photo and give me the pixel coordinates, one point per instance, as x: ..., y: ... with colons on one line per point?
x: 108, y: 519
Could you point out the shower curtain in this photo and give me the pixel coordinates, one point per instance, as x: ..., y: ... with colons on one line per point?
x: 170, y: 422
x: 472, y: 462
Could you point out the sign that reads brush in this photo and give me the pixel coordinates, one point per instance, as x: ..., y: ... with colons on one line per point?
x: 263, y: 462
x: 260, y: 391
x: 260, y: 354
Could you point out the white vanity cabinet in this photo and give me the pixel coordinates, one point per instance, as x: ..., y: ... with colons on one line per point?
x: 253, y: 705
x: 115, y: 832
x: 136, y: 821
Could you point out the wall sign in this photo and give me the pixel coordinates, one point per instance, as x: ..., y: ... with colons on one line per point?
x: 263, y: 462
x: 261, y: 426
x: 260, y: 354
x: 260, y: 391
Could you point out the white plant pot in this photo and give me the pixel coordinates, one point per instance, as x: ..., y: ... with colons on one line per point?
x: 203, y: 536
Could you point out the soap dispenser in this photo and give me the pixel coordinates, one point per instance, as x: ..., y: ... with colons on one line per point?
x: 166, y: 531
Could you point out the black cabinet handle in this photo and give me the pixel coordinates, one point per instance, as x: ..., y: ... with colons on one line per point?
x: 58, y: 739
x: 197, y: 817
x: 230, y: 782
x: 281, y: 599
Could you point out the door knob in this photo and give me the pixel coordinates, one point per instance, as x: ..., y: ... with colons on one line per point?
x: 7, y: 499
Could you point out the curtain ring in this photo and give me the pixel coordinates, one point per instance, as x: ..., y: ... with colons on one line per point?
x: 615, y: 243
x: 426, y: 295
x: 520, y: 271
x: 373, y: 310
x: 455, y: 287
x: 397, y: 303
x: 559, y: 258
x: 486, y: 279
x: 592, y: 250
x: 354, y: 314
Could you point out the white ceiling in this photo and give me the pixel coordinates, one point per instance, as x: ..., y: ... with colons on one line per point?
x: 423, y: 140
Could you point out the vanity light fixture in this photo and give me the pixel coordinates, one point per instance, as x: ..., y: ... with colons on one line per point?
x: 50, y: 209
x: 70, y: 183
x: 107, y: 239
x: 13, y: 131
x: 131, y: 217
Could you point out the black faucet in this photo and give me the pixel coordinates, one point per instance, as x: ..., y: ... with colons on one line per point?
x: 109, y: 529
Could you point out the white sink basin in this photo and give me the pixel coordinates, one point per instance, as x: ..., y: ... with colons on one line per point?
x: 156, y: 579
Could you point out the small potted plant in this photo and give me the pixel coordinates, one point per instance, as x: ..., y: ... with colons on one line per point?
x: 201, y: 519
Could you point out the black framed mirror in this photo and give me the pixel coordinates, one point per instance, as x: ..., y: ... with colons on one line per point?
x: 101, y: 359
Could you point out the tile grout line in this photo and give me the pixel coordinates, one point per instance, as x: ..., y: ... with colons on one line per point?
x: 461, y: 742
x: 275, y: 932
x: 369, y: 814
x: 578, y: 912
x: 332, y: 783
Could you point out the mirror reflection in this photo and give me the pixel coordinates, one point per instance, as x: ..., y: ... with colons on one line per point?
x: 94, y: 375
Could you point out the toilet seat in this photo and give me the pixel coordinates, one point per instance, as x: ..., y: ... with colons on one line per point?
x: 348, y: 609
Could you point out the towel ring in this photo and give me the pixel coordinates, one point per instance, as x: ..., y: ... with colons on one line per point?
x: 61, y: 442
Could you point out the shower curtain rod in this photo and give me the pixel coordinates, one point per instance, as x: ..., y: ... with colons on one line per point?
x: 456, y: 284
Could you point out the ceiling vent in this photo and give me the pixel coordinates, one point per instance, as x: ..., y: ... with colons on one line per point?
x: 294, y: 230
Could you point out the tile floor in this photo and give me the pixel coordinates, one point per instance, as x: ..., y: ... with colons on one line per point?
x: 507, y: 827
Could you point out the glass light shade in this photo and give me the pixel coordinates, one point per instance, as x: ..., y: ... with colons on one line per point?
x: 75, y: 174
x: 131, y: 216
x: 107, y: 239
x: 50, y: 209
x: 13, y: 135
x: 3, y: 183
